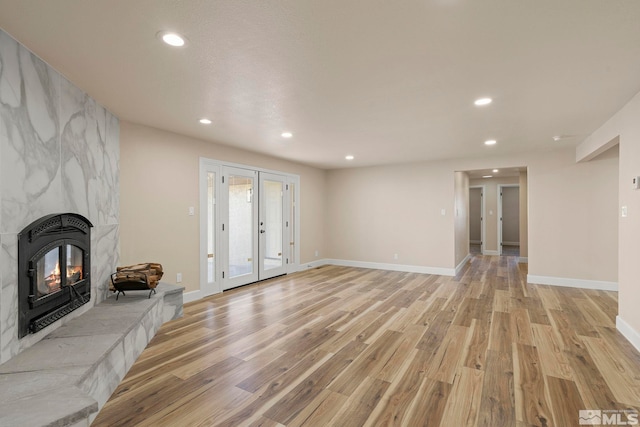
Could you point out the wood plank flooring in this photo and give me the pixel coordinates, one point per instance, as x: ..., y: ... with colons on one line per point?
x: 340, y: 346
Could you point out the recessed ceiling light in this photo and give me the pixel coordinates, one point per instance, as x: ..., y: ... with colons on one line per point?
x: 561, y: 137
x: 490, y: 142
x: 495, y: 171
x: 205, y: 121
x: 482, y: 101
x: 287, y: 134
x: 172, y: 39
x: 349, y: 157
x: 487, y: 176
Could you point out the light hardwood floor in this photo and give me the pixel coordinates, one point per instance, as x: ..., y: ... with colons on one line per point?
x: 340, y: 346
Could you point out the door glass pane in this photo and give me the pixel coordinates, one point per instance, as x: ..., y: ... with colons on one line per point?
x: 75, y: 257
x: 48, y: 272
x: 240, y: 225
x: 272, y: 224
x: 211, y: 231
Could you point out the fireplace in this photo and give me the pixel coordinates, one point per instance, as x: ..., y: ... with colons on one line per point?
x: 54, y: 265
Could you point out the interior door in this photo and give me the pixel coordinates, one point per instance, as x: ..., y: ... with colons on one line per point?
x: 240, y: 229
x: 273, y: 226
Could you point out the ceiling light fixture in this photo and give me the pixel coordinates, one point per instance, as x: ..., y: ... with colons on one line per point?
x: 205, y: 121
x: 490, y: 142
x: 172, y: 39
x: 495, y: 171
x: 487, y: 176
x: 349, y: 157
x: 482, y: 101
x: 287, y: 134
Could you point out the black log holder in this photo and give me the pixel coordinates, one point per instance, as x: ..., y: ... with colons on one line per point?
x: 139, y: 277
x: 135, y: 281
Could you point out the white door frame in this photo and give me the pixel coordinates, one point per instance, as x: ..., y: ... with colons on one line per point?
x: 500, y: 187
x: 211, y: 165
x: 482, y: 214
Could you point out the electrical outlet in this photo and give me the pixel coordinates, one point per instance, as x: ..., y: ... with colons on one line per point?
x: 192, y: 211
x: 395, y: 256
x: 179, y: 278
x: 316, y: 253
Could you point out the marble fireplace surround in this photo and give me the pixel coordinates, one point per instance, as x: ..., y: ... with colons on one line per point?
x: 64, y: 379
x: 59, y: 152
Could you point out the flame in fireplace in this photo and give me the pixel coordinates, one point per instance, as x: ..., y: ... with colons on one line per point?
x: 53, y: 280
x: 74, y: 274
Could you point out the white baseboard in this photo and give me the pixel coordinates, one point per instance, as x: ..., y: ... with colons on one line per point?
x: 511, y: 243
x: 488, y: 252
x: 462, y: 263
x: 629, y: 333
x: 191, y: 296
x: 313, y: 264
x: 572, y: 283
x: 523, y: 260
x: 394, y: 267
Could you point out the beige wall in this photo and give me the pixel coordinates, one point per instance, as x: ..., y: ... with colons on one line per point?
x: 624, y: 127
x: 461, y: 216
x: 491, y: 209
x: 159, y: 182
x: 524, y: 215
x: 572, y: 217
x: 375, y: 212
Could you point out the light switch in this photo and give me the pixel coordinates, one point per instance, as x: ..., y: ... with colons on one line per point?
x: 623, y: 211
x: 443, y: 212
x: 192, y: 211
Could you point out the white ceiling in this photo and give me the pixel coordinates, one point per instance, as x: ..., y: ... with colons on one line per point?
x: 386, y: 81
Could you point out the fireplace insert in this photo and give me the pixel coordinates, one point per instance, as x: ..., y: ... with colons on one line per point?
x: 54, y: 265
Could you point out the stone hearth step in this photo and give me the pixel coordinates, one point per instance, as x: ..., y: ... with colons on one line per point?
x: 64, y: 379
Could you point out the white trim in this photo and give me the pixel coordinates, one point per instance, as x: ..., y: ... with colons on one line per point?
x: 572, y: 283
x: 488, y: 252
x: 475, y: 242
x: 441, y: 271
x: 511, y: 243
x: 313, y: 264
x: 191, y: 296
x: 462, y: 263
x: 628, y: 332
x: 523, y: 260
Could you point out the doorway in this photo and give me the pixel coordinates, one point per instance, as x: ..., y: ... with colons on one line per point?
x: 476, y: 223
x: 248, y: 225
x: 509, y: 220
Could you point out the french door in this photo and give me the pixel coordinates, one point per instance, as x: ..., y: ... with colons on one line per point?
x: 247, y: 225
